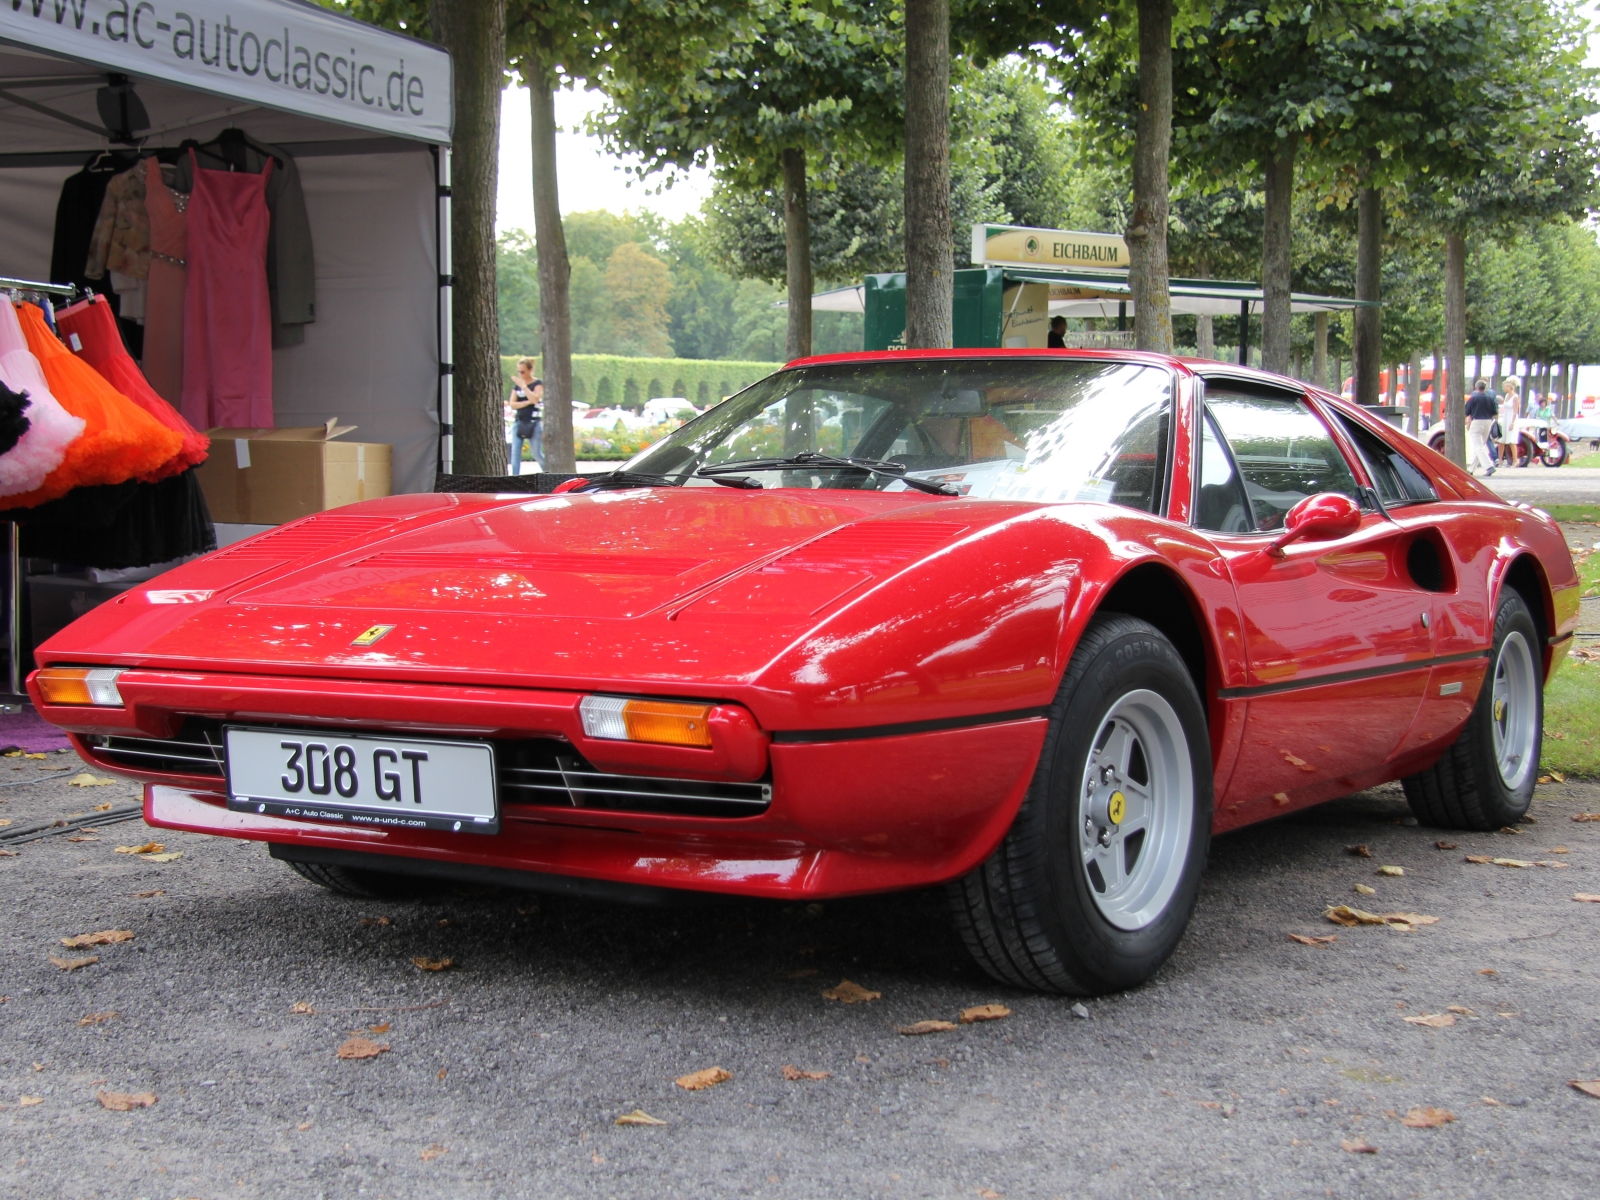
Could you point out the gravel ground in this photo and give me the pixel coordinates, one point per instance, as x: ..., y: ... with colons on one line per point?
x: 1239, y: 1071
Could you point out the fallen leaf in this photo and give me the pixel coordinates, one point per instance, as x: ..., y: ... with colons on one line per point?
x: 1427, y: 1118
x: 433, y: 964
x: 1363, y: 890
x: 1444, y: 846
x: 918, y: 1028
x: 302, y: 1008
x: 698, y: 1081
x: 1408, y: 920
x: 125, y: 1101
x: 984, y: 1012
x: 384, y: 1028
x: 639, y: 1117
x: 84, y: 779
x: 434, y: 1151
x: 105, y: 937
x: 360, y: 1047
x: 148, y: 895
x: 1392, y: 871
x: 1478, y: 858
x: 989, y: 1194
x: 376, y: 921
x: 1508, y: 1015
x: 1361, y: 851
x: 1488, y: 971
x: 1295, y: 760
x: 1457, y: 1008
x: 1511, y: 829
x: 1559, y: 850
x: 1343, y: 914
x: 6, y: 822
x: 793, y: 1073
x: 147, y: 848
x: 1281, y: 799
x: 1357, y: 1147
x: 1491, y: 1102
x: 442, y: 1072
x: 1557, y: 776
x: 303, y: 1126
x: 1586, y: 897
x: 1431, y: 1020
x: 1589, y: 1087
x: 8, y: 854
x: 97, y: 1018
x: 29, y: 1101
x: 170, y: 856
x: 72, y: 964
x: 1586, y: 817
x: 106, y: 807
x: 850, y: 993
x: 1510, y: 862
x: 83, y: 838
x: 1314, y: 941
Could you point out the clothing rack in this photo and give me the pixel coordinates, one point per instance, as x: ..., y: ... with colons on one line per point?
x: 16, y: 698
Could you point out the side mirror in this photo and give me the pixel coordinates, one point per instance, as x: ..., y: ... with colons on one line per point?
x: 1319, y: 518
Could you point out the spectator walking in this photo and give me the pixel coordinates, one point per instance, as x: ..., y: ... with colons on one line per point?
x: 1480, y: 420
x: 526, y: 403
x: 1058, y: 334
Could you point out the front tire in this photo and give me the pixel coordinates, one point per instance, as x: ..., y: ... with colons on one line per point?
x: 1093, y: 887
x: 1485, y: 779
x: 365, y: 885
x: 1556, y: 456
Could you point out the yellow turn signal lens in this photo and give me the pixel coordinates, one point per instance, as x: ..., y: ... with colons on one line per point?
x: 79, y: 685
x: 662, y: 722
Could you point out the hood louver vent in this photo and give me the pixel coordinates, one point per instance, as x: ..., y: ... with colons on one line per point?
x: 872, y: 545
x: 305, y: 537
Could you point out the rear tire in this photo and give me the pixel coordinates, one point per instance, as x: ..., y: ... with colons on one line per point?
x: 1556, y: 456
x: 365, y: 885
x: 1093, y: 887
x: 1485, y: 779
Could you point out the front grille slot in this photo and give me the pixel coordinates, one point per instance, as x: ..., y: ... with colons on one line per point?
x: 196, y: 750
x: 530, y: 772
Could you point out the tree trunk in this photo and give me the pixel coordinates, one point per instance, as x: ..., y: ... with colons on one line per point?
x: 1414, y: 393
x: 474, y: 31
x: 1367, y: 342
x: 1152, y: 147
x: 555, y: 272
x: 1455, y: 348
x: 1205, y: 332
x: 929, y: 260
x: 1319, y: 351
x: 797, y: 253
x: 1275, y: 265
x: 1494, y: 380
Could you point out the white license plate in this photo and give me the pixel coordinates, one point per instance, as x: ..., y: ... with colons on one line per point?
x: 363, y: 779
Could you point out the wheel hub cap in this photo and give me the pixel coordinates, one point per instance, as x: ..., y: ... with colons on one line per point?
x: 1515, y: 711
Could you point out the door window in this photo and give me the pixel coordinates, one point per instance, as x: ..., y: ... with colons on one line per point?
x: 1221, y: 506
x: 1283, y: 452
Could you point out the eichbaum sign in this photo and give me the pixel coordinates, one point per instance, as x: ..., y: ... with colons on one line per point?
x: 1017, y: 246
x: 278, y: 53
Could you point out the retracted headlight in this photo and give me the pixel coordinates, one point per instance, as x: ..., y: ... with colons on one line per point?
x: 80, y: 685
x: 663, y: 722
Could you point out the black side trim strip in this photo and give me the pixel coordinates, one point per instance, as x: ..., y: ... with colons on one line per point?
x: 878, y: 731
x: 1559, y: 641
x: 1291, y: 685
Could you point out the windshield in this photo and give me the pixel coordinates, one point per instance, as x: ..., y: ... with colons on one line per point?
x: 1014, y: 429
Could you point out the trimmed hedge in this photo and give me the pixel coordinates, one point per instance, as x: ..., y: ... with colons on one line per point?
x: 607, y: 380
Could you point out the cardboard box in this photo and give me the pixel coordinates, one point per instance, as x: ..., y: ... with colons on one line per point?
x: 269, y: 476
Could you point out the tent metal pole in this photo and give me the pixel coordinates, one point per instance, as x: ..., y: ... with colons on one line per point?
x: 447, y: 406
x: 14, y: 618
x: 1244, y: 333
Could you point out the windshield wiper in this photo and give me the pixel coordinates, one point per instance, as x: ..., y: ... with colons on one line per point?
x: 808, y: 459
x: 626, y: 479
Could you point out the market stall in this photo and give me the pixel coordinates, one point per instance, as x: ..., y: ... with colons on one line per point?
x: 127, y: 123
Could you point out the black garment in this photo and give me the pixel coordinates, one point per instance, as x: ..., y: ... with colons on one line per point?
x: 120, y: 525
x: 1481, y: 406
x: 13, y: 422
x: 291, y: 271
x: 77, y: 210
x: 1056, y: 341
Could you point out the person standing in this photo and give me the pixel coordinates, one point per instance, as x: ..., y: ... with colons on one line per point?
x: 526, y: 402
x: 1057, y: 339
x: 1480, y: 419
x: 1510, y: 411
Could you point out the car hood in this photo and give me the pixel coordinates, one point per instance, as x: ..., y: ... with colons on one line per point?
x: 692, y: 584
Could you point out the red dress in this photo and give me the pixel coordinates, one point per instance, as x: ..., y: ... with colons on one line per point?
x: 100, y: 345
x: 227, y: 316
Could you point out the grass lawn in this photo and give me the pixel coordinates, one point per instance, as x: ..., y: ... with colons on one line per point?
x: 1572, y: 720
x: 1589, y: 459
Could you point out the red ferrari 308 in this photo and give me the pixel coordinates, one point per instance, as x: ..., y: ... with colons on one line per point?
x: 1032, y: 625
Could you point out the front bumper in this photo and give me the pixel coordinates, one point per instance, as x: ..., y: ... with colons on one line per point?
x: 847, y: 816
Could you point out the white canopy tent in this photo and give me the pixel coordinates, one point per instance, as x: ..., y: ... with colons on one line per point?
x: 366, y: 115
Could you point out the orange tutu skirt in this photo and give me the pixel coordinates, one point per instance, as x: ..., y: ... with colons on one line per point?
x: 120, y: 441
